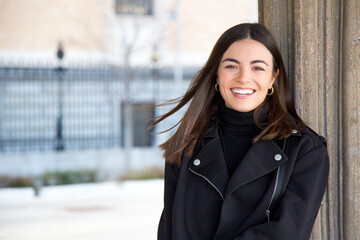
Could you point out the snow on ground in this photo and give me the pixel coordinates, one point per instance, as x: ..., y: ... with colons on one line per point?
x: 102, y: 211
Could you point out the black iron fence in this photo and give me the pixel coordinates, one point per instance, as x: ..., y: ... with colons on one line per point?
x: 75, y: 107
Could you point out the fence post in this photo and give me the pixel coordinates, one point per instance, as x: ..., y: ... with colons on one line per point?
x: 128, y: 112
x: 59, y: 118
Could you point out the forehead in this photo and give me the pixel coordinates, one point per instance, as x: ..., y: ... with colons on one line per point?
x: 248, y: 49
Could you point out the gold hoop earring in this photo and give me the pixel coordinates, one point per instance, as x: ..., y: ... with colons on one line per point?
x: 216, y: 87
x: 271, y: 92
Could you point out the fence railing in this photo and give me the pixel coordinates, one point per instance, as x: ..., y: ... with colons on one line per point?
x: 77, y: 107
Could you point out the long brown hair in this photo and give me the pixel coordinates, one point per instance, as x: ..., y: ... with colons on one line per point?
x: 204, y: 100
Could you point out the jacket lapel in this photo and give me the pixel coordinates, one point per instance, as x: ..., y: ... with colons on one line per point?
x: 262, y: 158
x: 210, y: 164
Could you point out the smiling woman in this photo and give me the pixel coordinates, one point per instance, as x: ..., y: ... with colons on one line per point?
x: 241, y: 162
x: 245, y: 74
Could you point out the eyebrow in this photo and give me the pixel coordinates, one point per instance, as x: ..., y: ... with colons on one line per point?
x: 231, y: 60
x: 259, y: 61
x: 236, y: 61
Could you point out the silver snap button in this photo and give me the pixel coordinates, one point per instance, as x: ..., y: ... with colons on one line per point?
x: 196, y: 162
x: 277, y: 157
x: 294, y: 131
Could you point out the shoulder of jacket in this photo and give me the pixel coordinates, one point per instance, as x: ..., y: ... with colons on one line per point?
x: 308, y: 134
x: 172, y: 168
x: 309, y: 140
x: 312, y: 136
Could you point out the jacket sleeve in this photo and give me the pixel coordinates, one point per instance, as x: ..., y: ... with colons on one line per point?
x: 170, y: 182
x: 298, y: 208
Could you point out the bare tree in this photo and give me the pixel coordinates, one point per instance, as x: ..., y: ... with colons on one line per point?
x: 134, y: 38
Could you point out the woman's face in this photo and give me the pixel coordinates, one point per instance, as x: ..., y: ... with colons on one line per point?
x: 245, y: 74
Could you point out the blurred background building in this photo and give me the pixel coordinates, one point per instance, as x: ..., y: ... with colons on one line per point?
x: 78, y: 79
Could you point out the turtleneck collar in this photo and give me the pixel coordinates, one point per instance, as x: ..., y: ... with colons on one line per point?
x: 235, y: 122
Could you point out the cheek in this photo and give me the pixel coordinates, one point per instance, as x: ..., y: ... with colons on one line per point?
x: 223, y: 90
x: 266, y: 84
x: 264, y: 88
x: 222, y: 82
x: 224, y: 77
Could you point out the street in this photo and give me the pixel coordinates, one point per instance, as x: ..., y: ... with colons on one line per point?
x: 102, y: 211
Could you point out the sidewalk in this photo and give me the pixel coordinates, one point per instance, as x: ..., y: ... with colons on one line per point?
x: 101, y: 211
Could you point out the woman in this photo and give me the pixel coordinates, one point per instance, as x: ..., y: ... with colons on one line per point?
x: 222, y: 172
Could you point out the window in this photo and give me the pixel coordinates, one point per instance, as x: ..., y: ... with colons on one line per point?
x: 141, y: 113
x: 134, y: 7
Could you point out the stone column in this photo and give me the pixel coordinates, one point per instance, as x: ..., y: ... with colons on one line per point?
x: 350, y: 82
x: 320, y: 43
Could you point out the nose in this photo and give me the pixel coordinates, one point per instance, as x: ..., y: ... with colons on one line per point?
x: 243, y: 75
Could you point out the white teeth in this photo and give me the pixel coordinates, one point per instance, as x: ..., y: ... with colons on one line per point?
x: 243, y: 91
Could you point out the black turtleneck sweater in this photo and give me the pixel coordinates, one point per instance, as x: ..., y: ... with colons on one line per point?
x: 237, y: 130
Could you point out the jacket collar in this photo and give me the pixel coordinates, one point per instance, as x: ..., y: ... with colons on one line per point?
x: 212, y: 132
x: 262, y: 158
x: 210, y: 164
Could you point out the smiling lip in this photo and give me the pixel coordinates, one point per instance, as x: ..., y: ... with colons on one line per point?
x: 242, y: 92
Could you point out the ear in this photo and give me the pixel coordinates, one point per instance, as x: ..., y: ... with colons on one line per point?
x: 277, y: 73
x: 274, y: 78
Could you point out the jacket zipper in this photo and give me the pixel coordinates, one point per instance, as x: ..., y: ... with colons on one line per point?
x: 267, y: 212
x: 208, y: 182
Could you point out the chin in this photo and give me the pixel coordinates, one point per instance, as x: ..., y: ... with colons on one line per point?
x: 240, y: 107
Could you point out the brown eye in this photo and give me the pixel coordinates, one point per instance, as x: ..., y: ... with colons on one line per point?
x: 230, y: 66
x: 258, y: 69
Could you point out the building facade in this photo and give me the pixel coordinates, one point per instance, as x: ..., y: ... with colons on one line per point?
x: 82, y: 75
